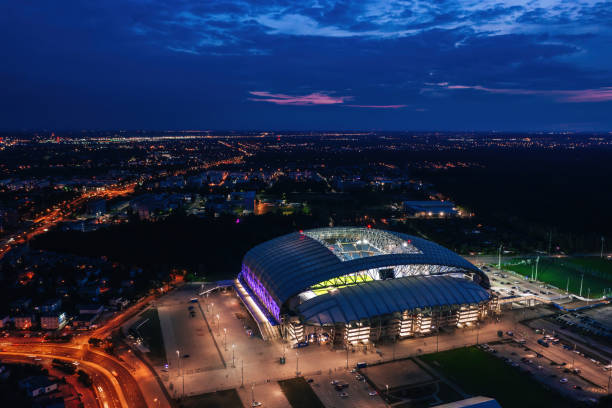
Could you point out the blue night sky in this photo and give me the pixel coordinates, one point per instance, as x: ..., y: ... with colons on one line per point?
x: 309, y: 64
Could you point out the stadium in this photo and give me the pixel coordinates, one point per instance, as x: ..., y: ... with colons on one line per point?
x: 358, y: 285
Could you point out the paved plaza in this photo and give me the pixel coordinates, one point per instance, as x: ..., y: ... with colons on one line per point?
x: 222, y: 359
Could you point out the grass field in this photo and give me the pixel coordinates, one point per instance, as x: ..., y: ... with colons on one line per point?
x: 480, y: 373
x: 219, y: 399
x: 150, y: 330
x: 299, y: 394
x: 558, y: 271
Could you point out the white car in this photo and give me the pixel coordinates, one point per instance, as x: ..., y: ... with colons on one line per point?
x: 373, y: 393
x: 256, y: 404
x: 563, y: 380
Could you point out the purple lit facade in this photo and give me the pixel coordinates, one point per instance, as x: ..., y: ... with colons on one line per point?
x: 261, y: 292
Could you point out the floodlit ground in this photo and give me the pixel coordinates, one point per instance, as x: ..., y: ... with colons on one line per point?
x: 561, y: 271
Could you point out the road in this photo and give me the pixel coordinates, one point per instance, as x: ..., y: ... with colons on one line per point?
x: 59, y: 212
x: 106, y: 388
x: 589, y: 371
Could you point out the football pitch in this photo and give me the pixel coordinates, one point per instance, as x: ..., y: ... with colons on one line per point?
x: 593, y: 274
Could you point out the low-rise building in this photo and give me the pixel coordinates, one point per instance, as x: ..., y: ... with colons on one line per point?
x: 53, y: 321
x: 37, y: 385
x: 93, y: 308
x: 85, y: 320
x: 23, y: 322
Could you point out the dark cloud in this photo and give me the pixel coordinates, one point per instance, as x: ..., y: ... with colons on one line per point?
x: 180, y: 63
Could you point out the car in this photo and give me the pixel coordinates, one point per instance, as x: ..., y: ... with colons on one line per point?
x: 334, y: 382
x: 563, y: 380
x: 185, y: 355
x: 343, y: 394
x: 256, y: 404
x: 310, y: 380
x: 373, y: 393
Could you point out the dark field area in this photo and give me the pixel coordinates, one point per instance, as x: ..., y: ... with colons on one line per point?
x: 299, y: 394
x: 149, y: 329
x: 219, y: 399
x: 212, y: 248
x: 479, y: 373
x: 564, y: 191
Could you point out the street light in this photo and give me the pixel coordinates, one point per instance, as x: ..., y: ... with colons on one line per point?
x: 233, y: 355
x: 225, y: 339
x: 178, y: 357
x: 218, y: 330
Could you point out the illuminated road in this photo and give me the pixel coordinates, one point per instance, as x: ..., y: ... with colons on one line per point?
x: 126, y: 391
x: 106, y: 388
x: 59, y: 213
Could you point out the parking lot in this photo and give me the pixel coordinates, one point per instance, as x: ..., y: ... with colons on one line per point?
x: 563, y: 377
x: 358, y: 391
x: 597, y: 322
x: 508, y: 284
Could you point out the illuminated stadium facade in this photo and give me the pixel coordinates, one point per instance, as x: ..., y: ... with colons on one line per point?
x: 357, y: 285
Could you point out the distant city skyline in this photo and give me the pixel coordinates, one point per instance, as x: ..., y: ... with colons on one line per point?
x: 469, y: 65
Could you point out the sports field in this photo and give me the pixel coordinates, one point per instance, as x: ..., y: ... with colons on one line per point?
x: 567, y: 272
x: 480, y: 373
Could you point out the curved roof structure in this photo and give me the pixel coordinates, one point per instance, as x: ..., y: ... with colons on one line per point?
x: 378, y: 298
x: 292, y: 263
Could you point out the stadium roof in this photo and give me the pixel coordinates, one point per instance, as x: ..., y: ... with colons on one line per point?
x: 292, y: 263
x: 388, y: 296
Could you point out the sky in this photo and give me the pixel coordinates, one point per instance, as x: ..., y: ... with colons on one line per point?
x: 473, y: 65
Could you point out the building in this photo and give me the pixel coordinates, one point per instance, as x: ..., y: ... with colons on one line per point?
x: 96, y: 208
x: 37, y: 385
x: 53, y: 321
x: 84, y: 321
x: 88, y: 314
x: 4, y: 321
x: 473, y: 402
x: 52, y: 305
x: 23, y: 322
x: 94, y: 308
x: 358, y: 285
x: 431, y: 208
